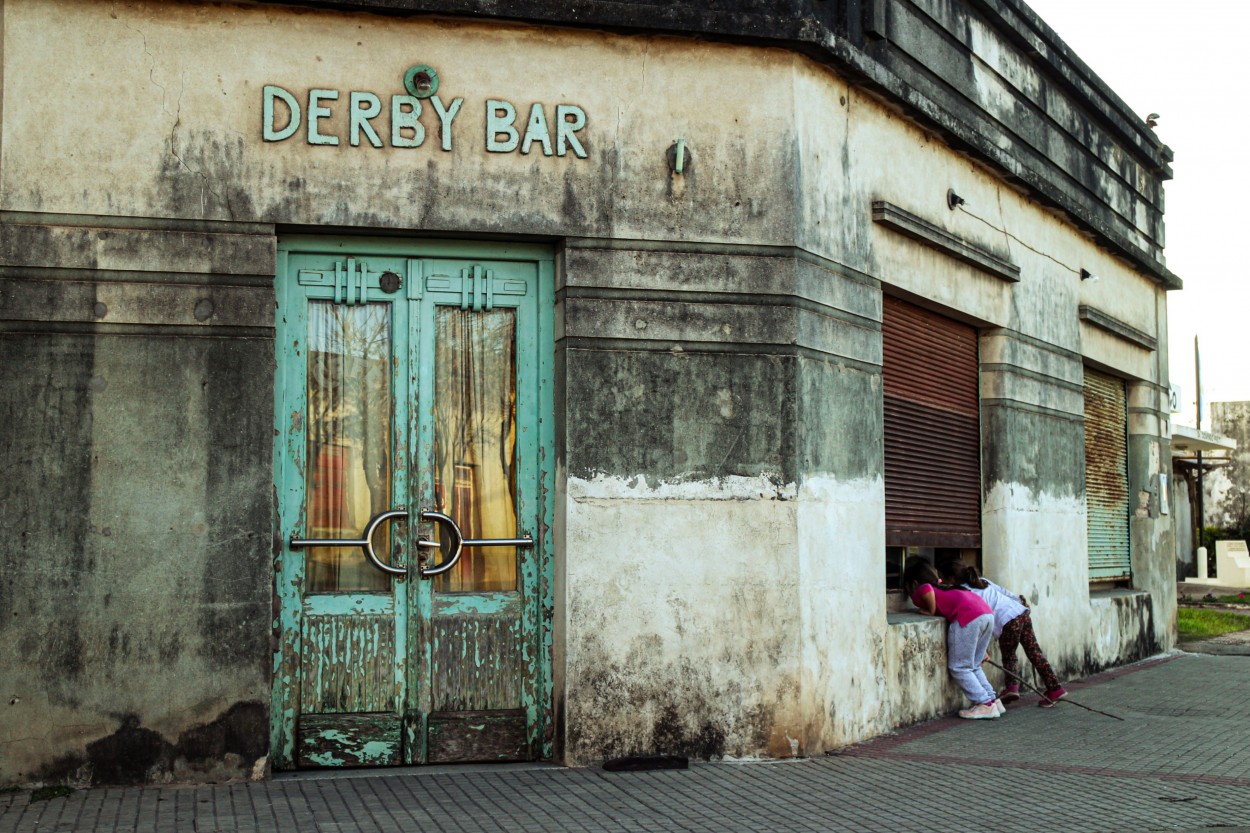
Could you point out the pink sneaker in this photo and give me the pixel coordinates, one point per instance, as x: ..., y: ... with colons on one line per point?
x: 981, y: 711
x: 1010, y: 694
x: 1052, y: 697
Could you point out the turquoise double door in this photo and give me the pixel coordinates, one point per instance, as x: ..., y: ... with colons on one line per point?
x: 412, y: 458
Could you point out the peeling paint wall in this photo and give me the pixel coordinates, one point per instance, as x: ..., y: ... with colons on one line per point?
x: 719, y: 507
x: 183, y: 125
x: 1227, y: 499
x: 135, y: 596
x: 672, y: 622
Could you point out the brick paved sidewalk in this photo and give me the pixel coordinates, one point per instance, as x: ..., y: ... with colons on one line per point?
x: 1180, y: 760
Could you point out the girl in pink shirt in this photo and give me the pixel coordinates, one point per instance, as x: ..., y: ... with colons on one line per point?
x: 1013, y: 626
x: 967, y: 637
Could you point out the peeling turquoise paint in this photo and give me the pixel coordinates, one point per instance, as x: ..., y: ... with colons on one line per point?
x: 333, y: 735
x: 477, y: 603
x: 376, y: 751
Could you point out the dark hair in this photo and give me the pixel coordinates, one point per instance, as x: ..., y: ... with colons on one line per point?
x: 918, y: 572
x: 957, y: 572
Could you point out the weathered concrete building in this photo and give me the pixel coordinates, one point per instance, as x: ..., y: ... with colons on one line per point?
x: 707, y: 314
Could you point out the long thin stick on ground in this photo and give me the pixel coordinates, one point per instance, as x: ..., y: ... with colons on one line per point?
x: 1044, y: 697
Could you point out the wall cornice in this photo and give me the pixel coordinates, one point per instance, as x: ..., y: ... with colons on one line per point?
x: 1026, y: 105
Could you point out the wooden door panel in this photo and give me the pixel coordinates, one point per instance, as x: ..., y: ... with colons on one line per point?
x: 466, y: 736
x: 337, y: 740
x: 347, y: 664
x: 477, y: 663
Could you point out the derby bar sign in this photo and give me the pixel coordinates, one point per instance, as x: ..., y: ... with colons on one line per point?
x: 318, y: 116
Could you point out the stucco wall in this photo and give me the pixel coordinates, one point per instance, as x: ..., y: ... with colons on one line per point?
x: 719, y: 516
x: 136, y: 558
x: 1227, y: 501
x: 180, y: 119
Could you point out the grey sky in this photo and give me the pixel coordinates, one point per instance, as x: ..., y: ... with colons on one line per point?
x: 1190, y: 62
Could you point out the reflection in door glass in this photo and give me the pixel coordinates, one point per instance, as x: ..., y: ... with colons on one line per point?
x: 349, y: 442
x: 475, y: 441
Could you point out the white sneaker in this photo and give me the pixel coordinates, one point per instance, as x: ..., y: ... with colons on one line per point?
x: 998, y: 704
x: 981, y: 711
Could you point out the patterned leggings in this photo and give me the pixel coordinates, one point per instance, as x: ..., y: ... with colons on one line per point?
x: 1019, y: 631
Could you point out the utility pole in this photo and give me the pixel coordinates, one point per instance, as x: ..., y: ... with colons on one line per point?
x: 1201, y: 513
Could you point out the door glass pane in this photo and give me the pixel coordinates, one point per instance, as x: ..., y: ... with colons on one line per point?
x: 475, y: 441
x: 349, y: 442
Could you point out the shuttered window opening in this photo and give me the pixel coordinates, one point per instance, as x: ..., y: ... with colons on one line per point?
x: 932, y: 429
x: 1106, y: 476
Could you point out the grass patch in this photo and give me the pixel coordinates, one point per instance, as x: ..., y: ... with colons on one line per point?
x: 1201, y: 624
x: 45, y: 793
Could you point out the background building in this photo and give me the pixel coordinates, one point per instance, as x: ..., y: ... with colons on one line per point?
x: 1214, y: 453
x: 712, y: 313
x: 1229, y: 487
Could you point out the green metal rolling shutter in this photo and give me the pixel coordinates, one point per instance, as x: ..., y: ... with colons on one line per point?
x: 1106, y: 475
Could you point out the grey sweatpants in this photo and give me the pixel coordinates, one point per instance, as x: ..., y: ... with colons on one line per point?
x: 965, y: 648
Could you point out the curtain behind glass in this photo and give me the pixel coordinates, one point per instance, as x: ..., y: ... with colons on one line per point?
x: 475, y: 441
x: 349, y: 441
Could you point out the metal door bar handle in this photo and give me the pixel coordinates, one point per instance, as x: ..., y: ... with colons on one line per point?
x: 365, y: 541
x: 459, y: 542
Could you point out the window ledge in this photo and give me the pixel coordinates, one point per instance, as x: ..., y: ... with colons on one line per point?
x: 1115, y: 593
x: 911, y: 618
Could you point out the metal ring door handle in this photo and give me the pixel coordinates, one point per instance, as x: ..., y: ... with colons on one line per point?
x: 365, y: 541
x: 459, y: 542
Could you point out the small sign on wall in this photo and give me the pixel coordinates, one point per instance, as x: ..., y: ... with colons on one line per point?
x: 1174, y: 398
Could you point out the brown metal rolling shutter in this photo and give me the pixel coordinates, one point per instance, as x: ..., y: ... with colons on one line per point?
x: 1106, y: 475
x: 932, y: 429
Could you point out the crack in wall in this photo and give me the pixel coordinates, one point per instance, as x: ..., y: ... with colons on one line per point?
x: 206, y: 188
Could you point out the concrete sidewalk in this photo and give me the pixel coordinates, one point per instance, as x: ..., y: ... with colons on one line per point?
x: 1191, y: 587
x: 1179, y: 760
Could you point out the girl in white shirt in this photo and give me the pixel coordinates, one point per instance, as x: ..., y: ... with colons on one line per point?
x: 1013, y: 626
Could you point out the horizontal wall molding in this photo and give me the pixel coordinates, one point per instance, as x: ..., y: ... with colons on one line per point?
x: 904, y: 222
x: 1038, y: 410
x: 137, y: 304
x: 1034, y: 375
x: 1125, y: 332
x: 88, y: 329
x: 729, y: 298
x: 1028, y: 390
x: 1148, y: 411
x: 664, y: 323
x: 731, y: 249
x: 680, y: 348
x: 678, y: 246
x: 1034, y: 342
x: 136, y: 249
x: 39, y: 218
x: 634, y: 275
x: 54, y: 274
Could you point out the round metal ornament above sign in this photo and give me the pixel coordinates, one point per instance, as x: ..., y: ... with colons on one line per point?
x: 421, y: 81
